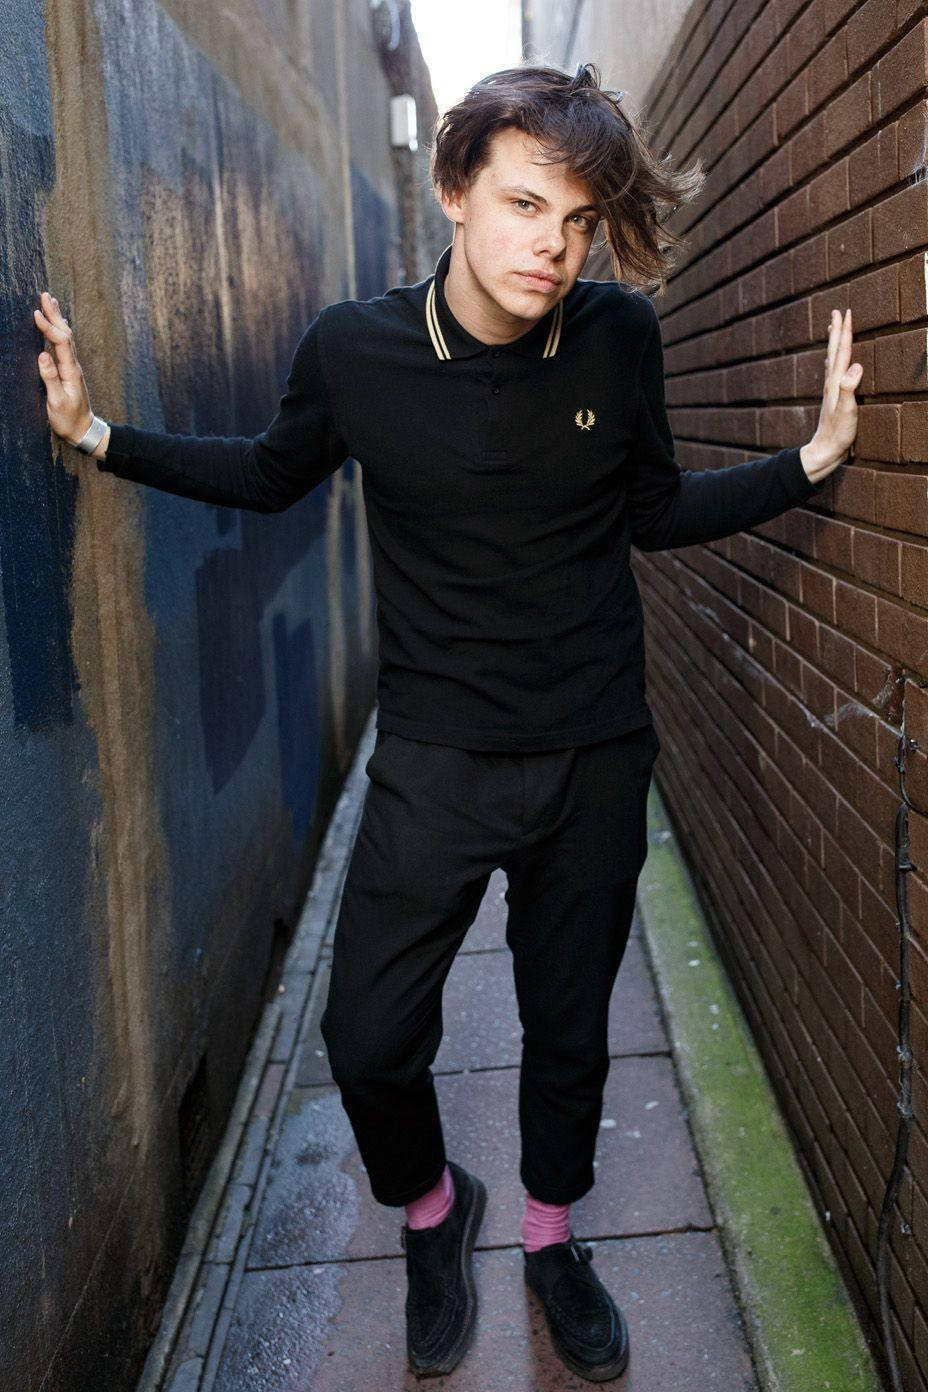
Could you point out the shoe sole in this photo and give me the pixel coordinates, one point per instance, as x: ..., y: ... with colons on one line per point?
x: 471, y: 1227
x: 601, y: 1373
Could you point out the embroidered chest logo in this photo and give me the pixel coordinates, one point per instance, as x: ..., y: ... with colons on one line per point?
x: 585, y: 419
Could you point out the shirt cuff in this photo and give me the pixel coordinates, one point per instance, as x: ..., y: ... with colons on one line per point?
x: 121, y: 442
x: 797, y: 481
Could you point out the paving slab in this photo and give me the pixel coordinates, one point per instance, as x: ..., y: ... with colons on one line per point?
x: 317, y: 1205
x: 480, y: 1015
x: 339, y: 1327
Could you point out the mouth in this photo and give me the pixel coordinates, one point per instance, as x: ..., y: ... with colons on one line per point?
x: 539, y: 281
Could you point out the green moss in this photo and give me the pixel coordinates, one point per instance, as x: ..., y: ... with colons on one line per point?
x: 804, y: 1330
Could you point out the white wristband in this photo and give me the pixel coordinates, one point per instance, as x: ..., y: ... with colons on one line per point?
x: 94, y: 434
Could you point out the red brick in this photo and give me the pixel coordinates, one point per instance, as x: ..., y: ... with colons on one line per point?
x: 901, y: 502
x: 915, y: 573
x: 837, y: 655
x: 872, y: 165
x: 855, y: 492
x: 847, y: 118
x: 903, y: 72
x: 828, y: 69
x: 916, y: 712
x: 792, y: 217
x: 809, y: 263
x: 879, y: 434
x: 850, y: 244
x: 890, y: 634
x: 874, y: 301
x: 873, y: 679
x: 877, y: 560
x: 900, y: 362
x: 912, y: 131
x: 792, y: 106
x: 833, y: 543
x: 914, y: 433
x: 828, y: 194
x: 805, y: 38
x: 818, y: 591
x: 913, y: 287
x: 855, y: 611
x: 867, y: 30
x: 899, y: 222
x: 856, y: 726
x: 807, y: 149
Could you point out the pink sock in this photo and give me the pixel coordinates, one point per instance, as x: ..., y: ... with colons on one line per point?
x: 431, y: 1208
x: 544, y: 1223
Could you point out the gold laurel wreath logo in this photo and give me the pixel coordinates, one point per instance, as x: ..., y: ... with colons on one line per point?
x: 585, y: 419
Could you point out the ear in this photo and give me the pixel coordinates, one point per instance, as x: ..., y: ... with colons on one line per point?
x: 453, y: 206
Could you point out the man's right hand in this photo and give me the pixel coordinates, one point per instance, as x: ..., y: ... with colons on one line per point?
x: 67, y: 398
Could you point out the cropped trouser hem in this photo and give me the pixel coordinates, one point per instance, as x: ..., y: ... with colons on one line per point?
x: 407, y: 1196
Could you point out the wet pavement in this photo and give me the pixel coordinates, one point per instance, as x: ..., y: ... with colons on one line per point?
x: 300, y: 1285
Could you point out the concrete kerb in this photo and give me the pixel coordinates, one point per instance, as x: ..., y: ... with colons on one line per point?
x: 299, y: 964
x: 803, y: 1329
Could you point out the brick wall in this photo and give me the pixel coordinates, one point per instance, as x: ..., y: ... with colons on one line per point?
x: 783, y: 662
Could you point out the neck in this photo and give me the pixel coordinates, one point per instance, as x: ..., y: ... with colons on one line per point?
x: 473, y: 308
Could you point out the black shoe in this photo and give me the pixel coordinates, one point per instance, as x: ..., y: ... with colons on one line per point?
x: 588, y: 1329
x: 441, y: 1296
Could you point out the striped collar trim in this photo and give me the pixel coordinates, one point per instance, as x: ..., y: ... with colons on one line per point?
x: 439, y: 342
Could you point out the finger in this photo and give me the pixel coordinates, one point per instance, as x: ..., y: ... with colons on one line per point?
x: 50, y: 376
x: 833, y: 331
x: 843, y: 354
x: 62, y: 336
x: 48, y: 327
x: 53, y: 309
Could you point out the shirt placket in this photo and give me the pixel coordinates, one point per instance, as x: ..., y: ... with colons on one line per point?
x: 494, y: 436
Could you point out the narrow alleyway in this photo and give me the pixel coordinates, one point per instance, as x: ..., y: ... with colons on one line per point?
x: 303, y: 1282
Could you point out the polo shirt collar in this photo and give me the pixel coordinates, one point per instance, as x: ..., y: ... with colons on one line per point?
x: 451, y: 340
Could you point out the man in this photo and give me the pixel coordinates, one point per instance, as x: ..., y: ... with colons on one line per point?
x: 509, y: 420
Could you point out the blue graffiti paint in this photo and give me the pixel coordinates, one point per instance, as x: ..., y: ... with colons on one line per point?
x: 298, y: 731
x: 37, y: 517
x: 374, y: 230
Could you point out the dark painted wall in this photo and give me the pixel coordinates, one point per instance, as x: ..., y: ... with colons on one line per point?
x: 182, y: 685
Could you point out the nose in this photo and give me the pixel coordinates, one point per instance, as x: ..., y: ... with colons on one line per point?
x: 550, y: 238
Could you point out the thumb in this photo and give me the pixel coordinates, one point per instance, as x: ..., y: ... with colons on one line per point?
x: 47, y: 367
x: 852, y: 377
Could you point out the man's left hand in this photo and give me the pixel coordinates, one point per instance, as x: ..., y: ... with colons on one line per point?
x: 837, y: 422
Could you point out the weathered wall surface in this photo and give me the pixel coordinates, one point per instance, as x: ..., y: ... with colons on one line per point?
x: 627, y: 42
x: 182, y: 685
x: 785, y: 663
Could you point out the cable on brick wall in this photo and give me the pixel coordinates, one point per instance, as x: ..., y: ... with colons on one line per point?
x: 904, y: 1052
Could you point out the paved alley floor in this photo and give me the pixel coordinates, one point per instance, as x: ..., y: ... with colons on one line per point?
x: 301, y: 1281
x: 321, y: 1302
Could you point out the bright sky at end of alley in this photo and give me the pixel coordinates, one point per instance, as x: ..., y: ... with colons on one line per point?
x: 462, y: 44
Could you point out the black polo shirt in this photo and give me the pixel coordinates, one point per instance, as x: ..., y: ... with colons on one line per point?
x: 504, y: 487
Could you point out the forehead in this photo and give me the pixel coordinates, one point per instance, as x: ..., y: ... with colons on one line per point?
x: 516, y: 158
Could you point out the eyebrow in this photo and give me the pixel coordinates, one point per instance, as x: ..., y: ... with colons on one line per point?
x: 587, y: 207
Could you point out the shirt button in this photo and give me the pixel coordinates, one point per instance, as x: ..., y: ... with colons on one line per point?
x: 496, y: 391
x: 495, y: 353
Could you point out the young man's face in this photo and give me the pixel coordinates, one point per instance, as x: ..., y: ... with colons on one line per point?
x: 520, y: 216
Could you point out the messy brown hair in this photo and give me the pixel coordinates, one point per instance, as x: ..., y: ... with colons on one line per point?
x: 580, y: 124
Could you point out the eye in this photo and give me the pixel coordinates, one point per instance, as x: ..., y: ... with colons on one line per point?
x: 524, y: 201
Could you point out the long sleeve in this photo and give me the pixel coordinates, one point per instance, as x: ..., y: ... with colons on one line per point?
x: 670, y: 506
x: 301, y: 447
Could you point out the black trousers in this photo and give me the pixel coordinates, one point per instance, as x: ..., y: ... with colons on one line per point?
x: 568, y: 828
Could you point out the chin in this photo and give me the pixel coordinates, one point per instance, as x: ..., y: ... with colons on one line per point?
x: 527, y: 303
